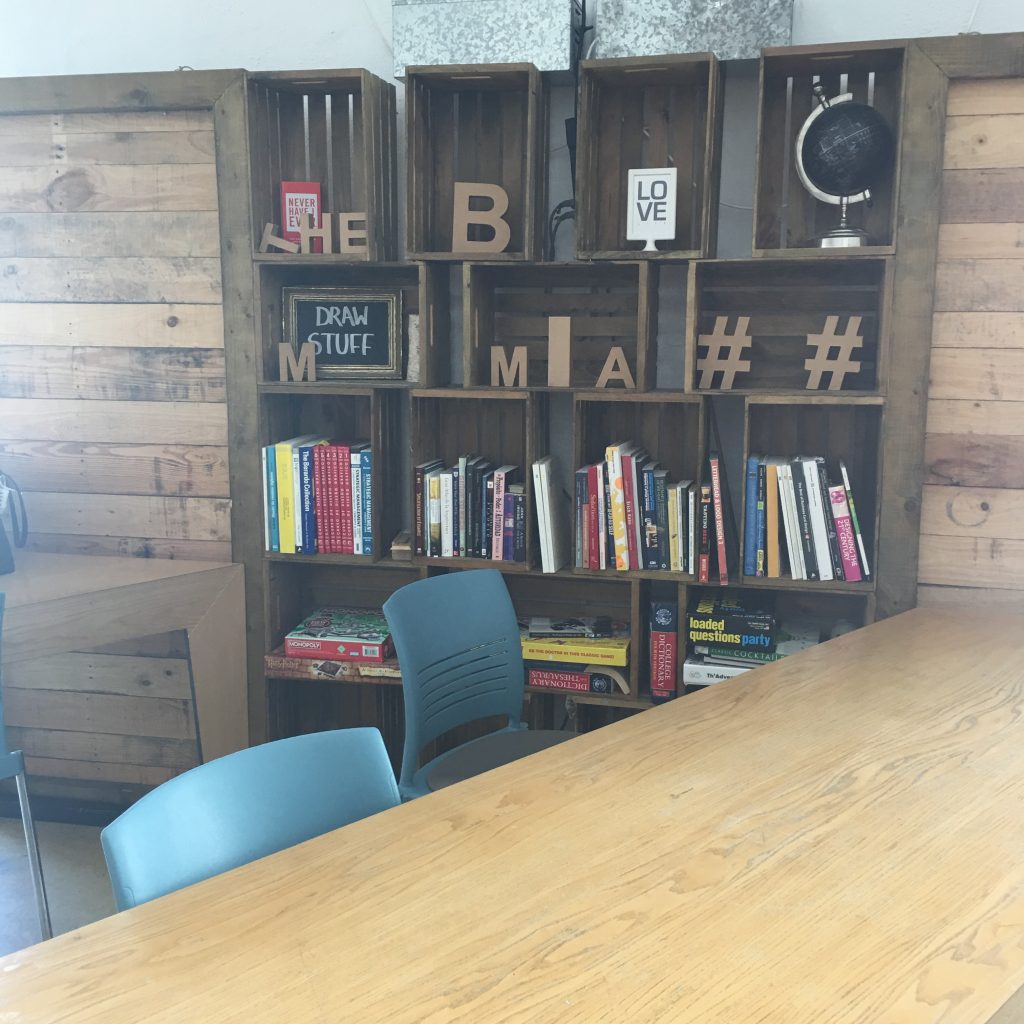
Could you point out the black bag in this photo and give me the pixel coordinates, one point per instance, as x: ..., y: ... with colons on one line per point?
x: 19, y: 524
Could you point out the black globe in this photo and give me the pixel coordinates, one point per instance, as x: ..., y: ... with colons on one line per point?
x: 847, y: 148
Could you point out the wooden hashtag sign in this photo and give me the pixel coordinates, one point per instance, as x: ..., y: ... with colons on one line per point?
x: 724, y: 353
x: 842, y: 363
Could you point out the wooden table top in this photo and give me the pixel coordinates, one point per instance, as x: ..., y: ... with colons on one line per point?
x: 835, y: 838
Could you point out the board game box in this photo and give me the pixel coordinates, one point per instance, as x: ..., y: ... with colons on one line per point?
x: 341, y: 634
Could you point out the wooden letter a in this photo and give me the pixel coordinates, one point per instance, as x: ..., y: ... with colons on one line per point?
x: 616, y: 368
x: 290, y: 368
x: 508, y: 373
x: 463, y: 216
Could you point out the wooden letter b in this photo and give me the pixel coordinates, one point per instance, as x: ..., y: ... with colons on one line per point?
x: 463, y: 217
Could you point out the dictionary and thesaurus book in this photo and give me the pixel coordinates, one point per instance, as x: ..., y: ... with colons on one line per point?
x: 341, y: 634
x: 576, y: 678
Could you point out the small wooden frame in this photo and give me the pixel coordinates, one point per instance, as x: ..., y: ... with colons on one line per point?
x: 787, y: 218
x: 785, y: 301
x: 638, y: 112
x: 610, y: 304
x: 475, y: 123
x: 333, y: 127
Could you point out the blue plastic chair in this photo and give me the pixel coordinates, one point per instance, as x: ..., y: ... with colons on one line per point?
x: 244, y: 806
x: 12, y: 766
x: 458, y: 646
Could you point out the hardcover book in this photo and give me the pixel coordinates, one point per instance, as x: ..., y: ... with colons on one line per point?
x: 664, y: 651
x: 576, y: 678
x: 602, y: 651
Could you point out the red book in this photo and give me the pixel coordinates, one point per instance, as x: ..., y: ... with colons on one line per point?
x: 335, y: 486
x: 346, y: 542
x: 330, y: 541
x: 298, y: 199
x: 559, y: 679
x: 704, y: 547
x: 844, y: 533
x: 716, y: 501
x: 594, y: 524
x: 319, y: 494
x: 664, y: 648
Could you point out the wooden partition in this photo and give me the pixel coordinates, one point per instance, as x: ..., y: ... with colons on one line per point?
x: 112, y: 381
x: 972, y: 522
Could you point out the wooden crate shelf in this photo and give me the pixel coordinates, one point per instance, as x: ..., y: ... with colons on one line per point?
x: 638, y: 112
x: 425, y: 317
x: 786, y: 216
x: 333, y: 127
x: 786, y: 301
x: 612, y: 304
x: 475, y: 123
x: 834, y: 429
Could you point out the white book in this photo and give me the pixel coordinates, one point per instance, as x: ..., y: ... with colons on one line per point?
x: 555, y: 553
x: 787, y: 504
x: 543, y: 523
x: 447, y: 515
x: 697, y: 673
x: 691, y: 527
x: 682, y: 514
x: 857, y: 530
x: 463, y: 461
x: 819, y: 531
x: 357, y: 501
x: 266, y: 501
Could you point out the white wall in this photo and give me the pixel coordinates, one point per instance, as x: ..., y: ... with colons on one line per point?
x: 91, y: 36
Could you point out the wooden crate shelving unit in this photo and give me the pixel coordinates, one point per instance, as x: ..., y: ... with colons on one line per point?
x: 334, y: 127
x: 637, y: 112
x: 787, y: 218
x: 475, y: 123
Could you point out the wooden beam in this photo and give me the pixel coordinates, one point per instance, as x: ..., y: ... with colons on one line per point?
x: 910, y: 323
x: 989, y: 55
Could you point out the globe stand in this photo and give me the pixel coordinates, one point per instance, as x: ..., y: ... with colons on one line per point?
x: 844, y: 236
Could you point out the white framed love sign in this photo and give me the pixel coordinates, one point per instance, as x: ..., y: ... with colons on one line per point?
x: 651, y: 209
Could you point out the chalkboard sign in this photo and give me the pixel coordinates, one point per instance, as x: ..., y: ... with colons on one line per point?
x: 355, y: 332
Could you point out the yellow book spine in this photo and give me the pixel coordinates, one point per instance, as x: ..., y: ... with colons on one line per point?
x: 582, y: 651
x: 285, y: 497
x: 772, y: 520
x: 673, y: 529
x: 616, y: 491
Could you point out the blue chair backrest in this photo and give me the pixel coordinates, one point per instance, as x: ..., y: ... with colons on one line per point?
x: 244, y: 806
x: 458, y: 646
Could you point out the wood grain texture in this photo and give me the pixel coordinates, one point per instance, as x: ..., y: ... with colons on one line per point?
x: 131, y: 547
x: 1003, y: 419
x: 984, y: 140
x: 101, y: 148
x: 997, y: 513
x: 23, y: 125
x: 110, y: 279
x: 107, y: 747
x: 981, y: 241
x: 971, y: 562
x: 130, y: 515
x: 103, y: 234
x: 97, y: 468
x: 24, y: 419
x: 990, y: 196
x: 82, y: 672
x: 112, y: 374
x: 974, y: 460
x: 869, y: 818
x: 981, y: 96
x: 98, y: 771
x: 978, y: 330
x: 112, y: 325
x: 113, y: 188
x: 980, y: 285
x: 985, y: 374
x: 975, y: 598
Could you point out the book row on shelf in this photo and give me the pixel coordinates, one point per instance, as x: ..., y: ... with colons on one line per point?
x: 317, y: 496
x: 800, y: 521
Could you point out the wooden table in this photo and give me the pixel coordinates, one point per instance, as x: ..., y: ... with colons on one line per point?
x: 836, y: 838
x: 96, y: 709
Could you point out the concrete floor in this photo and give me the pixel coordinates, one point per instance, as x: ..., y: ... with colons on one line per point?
x: 76, y: 881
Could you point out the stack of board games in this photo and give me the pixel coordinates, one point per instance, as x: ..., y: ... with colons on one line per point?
x: 341, y: 634
x: 472, y: 508
x: 584, y: 654
x: 727, y: 638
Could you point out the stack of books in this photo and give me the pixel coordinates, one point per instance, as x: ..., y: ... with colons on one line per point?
x: 629, y: 516
x: 470, y: 509
x: 317, y: 496
x: 341, y: 634
x: 800, y: 521
x: 584, y: 654
x: 728, y: 638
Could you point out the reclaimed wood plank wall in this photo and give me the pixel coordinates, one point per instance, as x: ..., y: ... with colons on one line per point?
x: 972, y: 525
x: 112, y: 403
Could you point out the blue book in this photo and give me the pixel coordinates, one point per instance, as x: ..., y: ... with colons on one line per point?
x: 270, y: 460
x: 366, y: 478
x: 762, y: 530
x: 307, y: 508
x: 750, y: 533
